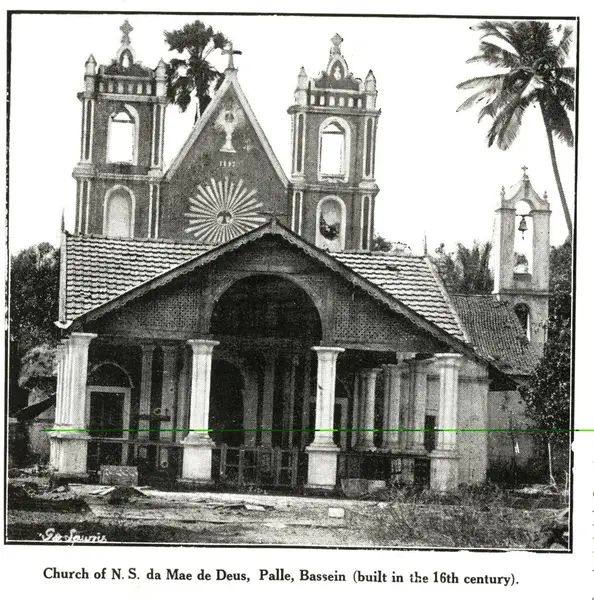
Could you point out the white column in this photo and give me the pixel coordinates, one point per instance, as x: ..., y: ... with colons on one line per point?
x: 146, y: 382
x: 323, y: 452
x: 69, y: 453
x: 198, y: 444
x: 355, y: 421
x: 367, y: 411
x: 444, y: 459
x: 417, y: 406
x: 392, y: 399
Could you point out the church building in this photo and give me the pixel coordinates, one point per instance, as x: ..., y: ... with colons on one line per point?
x: 226, y: 323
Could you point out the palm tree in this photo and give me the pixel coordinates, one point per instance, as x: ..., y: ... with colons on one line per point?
x: 194, y: 73
x: 535, y: 74
x: 465, y: 271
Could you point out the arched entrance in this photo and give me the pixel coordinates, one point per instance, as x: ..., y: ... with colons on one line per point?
x: 226, y: 404
x: 108, y: 401
x: 268, y: 324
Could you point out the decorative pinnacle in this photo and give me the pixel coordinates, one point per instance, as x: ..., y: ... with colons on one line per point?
x: 229, y: 51
x: 503, y: 192
x: 336, y: 41
x: 126, y: 28
x: 525, y: 176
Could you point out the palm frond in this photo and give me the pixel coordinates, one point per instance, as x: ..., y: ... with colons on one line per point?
x: 566, y: 74
x: 483, y: 82
x: 564, y: 44
x: 557, y: 119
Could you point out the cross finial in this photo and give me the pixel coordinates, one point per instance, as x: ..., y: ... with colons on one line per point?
x: 230, y: 52
x: 336, y: 41
x: 524, y: 168
x: 126, y: 28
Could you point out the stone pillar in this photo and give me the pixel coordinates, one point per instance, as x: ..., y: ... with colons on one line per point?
x: 69, y: 446
x: 417, y: 406
x: 323, y: 452
x: 146, y: 382
x: 166, y: 424
x: 392, y: 398
x: 444, y: 459
x: 367, y: 410
x: 268, y: 398
x: 355, y: 421
x: 198, y: 444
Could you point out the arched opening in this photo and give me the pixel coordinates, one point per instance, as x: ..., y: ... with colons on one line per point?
x: 523, y: 313
x: 122, y: 137
x: 523, y: 254
x: 226, y: 404
x: 266, y: 306
x: 331, y: 220
x: 333, y: 149
x: 119, y: 213
x: 108, y: 416
x: 266, y: 325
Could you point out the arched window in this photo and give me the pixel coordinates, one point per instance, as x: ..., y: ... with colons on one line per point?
x: 119, y: 213
x: 122, y: 142
x: 330, y: 223
x: 334, y: 149
x: 523, y: 313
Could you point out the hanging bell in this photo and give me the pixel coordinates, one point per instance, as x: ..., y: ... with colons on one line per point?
x: 523, y: 225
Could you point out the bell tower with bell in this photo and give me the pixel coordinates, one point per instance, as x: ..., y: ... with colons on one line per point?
x: 334, y: 123
x: 524, y: 284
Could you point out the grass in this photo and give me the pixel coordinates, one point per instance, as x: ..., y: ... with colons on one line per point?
x: 473, y: 517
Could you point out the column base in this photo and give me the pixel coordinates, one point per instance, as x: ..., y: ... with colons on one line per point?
x: 197, y: 459
x: 365, y: 446
x: 68, y: 454
x: 407, y: 470
x: 322, y: 465
x: 444, y: 470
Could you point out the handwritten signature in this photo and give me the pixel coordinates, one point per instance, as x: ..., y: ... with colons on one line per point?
x: 51, y: 535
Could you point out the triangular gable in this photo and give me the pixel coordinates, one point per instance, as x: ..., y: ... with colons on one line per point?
x: 273, y: 227
x: 230, y: 83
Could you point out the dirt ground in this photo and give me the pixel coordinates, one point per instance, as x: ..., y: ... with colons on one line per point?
x: 146, y: 515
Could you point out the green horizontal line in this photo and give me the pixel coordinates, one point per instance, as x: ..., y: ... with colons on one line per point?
x: 462, y: 430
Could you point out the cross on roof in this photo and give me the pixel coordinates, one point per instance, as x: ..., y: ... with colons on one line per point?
x: 525, y: 169
x: 229, y: 50
x: 126, y: 28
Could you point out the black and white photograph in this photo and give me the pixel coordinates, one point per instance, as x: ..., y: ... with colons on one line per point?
x: 291, y: 281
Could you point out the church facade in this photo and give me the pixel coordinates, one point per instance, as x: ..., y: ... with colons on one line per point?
x: 225, y: 323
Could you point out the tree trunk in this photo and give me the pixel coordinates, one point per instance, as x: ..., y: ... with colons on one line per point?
x: 551, y: 475
x: 557, y: 176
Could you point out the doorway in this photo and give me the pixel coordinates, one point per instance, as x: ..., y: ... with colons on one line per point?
x: 226, y: 404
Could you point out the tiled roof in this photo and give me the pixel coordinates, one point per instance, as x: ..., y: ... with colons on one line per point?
x: 101, y: 269
x: 496, y: 333
x: 409, y: 279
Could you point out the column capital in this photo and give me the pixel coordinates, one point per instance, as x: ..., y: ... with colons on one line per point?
x: 448, y: 359
x: 146, y: 348
x: 172, y: 349
x: 203, y: 346
x: 420, y: 365
x: 81, y: 339
x: 371, y: 372
x: 321, y: 350
x: 395, y: 367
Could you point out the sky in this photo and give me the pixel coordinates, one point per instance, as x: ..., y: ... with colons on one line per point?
x: 437, y: 177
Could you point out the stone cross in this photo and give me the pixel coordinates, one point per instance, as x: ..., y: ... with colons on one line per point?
x: 525, y: 169
x: 126, y: 28
x: 229, y: 50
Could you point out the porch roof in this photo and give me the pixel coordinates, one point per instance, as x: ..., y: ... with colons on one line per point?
x: 98, y: 271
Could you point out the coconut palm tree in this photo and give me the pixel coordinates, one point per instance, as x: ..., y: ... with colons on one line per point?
x: 194, y: 73
x: 534, y: 73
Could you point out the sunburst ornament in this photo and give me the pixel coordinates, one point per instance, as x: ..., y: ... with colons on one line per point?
x: 222, y: 210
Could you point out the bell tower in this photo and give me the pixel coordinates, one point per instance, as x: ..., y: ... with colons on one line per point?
x: 120, y: 169
x: 334, y: 123
x: 524, y: 283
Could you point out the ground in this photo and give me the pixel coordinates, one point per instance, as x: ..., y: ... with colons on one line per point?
x: 480, y: 518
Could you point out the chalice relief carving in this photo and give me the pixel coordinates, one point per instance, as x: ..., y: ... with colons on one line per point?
x: 229, y: 119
